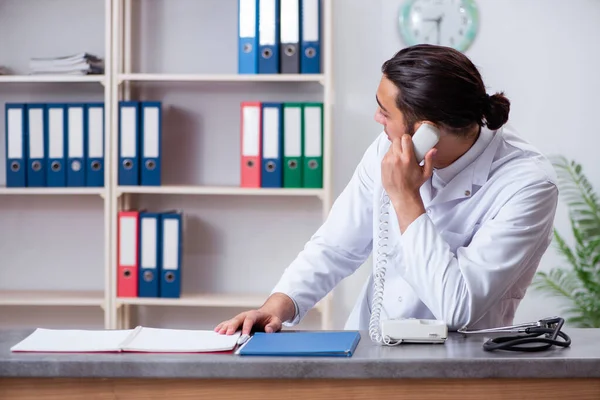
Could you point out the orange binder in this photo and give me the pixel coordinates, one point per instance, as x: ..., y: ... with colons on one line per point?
x: 127, y: 253
x: 251, y: 128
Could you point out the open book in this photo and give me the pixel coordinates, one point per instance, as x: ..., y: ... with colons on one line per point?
x: 140, y: 339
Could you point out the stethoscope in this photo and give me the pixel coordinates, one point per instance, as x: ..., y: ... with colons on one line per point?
x: 527, y: 335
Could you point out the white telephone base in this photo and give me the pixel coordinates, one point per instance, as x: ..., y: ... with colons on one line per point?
x: 412, y: 330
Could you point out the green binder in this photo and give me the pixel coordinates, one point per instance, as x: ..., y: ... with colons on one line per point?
x: 313, y: 145
x: 292, y: 145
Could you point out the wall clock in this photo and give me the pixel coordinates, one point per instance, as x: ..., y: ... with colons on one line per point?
x: 452, y: 23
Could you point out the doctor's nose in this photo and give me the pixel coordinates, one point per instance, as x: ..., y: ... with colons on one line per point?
x: 379, y: 118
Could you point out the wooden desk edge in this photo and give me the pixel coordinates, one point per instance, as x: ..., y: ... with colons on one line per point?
x: 267, y: 389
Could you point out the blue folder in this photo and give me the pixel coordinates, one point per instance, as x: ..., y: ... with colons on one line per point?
x: 302, y: 344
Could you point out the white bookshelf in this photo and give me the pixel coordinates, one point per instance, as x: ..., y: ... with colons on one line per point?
x: 52, y: 79
x: 74, y: 191
x: 51, y: 298
x: 218, y: 191
x: 120, y: 82
x: 138, y: 77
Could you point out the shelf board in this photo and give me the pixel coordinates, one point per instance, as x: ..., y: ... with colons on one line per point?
x: 219, y: 190
x: 50, y: 298
x: 221, y: 77
x: 52, y: 191
x: 198, y: 300
x: 50, y: 78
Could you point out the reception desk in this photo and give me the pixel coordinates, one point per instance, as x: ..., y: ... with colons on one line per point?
x: 458, y: 369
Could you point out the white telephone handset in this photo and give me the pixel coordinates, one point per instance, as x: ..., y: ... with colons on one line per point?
x: 394, y: 332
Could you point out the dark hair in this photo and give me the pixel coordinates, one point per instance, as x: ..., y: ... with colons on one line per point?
x: 441, y: 85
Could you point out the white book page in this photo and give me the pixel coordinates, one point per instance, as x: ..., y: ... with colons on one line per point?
x: 157, y: 340
x: 73, y: 341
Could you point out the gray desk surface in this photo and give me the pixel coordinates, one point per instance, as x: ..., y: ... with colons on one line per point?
x: 459, y: 357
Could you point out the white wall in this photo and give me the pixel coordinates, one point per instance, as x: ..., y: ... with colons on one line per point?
x: 541, y: 52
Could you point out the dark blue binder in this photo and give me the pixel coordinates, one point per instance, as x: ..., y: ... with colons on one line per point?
x: 56, y: 141
x: 149, y: 246
x: 129, y: 136
x: 268, y: 37
x: 171, y: 231
x: 310, y: 33
x: 272, y: 142
x: 37, y: 150
x: 94, y: 138
x: 150, y: 143
x: 302, y: 344
x: 16, y: 144
x: 76, y: 144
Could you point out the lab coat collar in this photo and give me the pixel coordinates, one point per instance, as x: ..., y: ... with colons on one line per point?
x: 474, y: 175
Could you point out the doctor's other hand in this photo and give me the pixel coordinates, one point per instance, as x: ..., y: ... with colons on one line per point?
x: 267, y: 318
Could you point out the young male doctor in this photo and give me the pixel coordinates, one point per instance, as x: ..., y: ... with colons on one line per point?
x: 466, y: 229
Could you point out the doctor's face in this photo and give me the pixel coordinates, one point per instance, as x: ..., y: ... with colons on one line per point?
x: 388, y: 114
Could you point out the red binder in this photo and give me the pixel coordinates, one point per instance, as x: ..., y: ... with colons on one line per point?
x: 251, y: 143
x: 127, y: 253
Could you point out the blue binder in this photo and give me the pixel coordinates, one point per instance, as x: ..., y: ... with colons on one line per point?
x: 268, y: 37
x: 56, y: 166
x: 129, y: 133
x: 310, y: 33
x: 151, y: 139
x: 149, y: 250
x: 272, y: 145
x: 248, y: 36
x: 16, y: 144
x: 302, y: 344
x: 170, y: 249
x: 76, y: 163
x: 36, y: 140
x: 94, y: 133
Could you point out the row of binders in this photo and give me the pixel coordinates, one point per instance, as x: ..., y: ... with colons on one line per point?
x: 282, y: 145
x: 140, y: 135
x: 279, y: 36
x: 149, y: 252
x: 54, y: 145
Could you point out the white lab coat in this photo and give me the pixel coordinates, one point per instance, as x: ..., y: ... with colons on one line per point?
x: 467, y: 261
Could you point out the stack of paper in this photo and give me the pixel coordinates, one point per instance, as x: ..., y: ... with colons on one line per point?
x: 140, y: 339
x: 76, y: 64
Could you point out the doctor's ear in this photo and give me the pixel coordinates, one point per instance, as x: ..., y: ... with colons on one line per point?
x: 418, y: 124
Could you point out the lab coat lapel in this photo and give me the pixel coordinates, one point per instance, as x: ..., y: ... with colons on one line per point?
x: 458, y: 188
x: 469, y: 179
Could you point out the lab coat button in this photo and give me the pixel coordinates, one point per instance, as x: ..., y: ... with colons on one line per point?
x: 429, y: 211
x: 400, y: 299
x: 467, y: 192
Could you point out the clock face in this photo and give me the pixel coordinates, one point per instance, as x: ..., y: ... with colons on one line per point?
x: 451, y: 23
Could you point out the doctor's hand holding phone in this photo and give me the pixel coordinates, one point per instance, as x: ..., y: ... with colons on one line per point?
x: 402, y: 174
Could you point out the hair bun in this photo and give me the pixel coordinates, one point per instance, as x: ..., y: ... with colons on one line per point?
x: 496, y: 111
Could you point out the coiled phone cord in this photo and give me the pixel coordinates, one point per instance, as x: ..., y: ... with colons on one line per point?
x: 379, y: 275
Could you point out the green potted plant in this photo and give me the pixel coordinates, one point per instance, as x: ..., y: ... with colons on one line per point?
x: 578, y: 284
